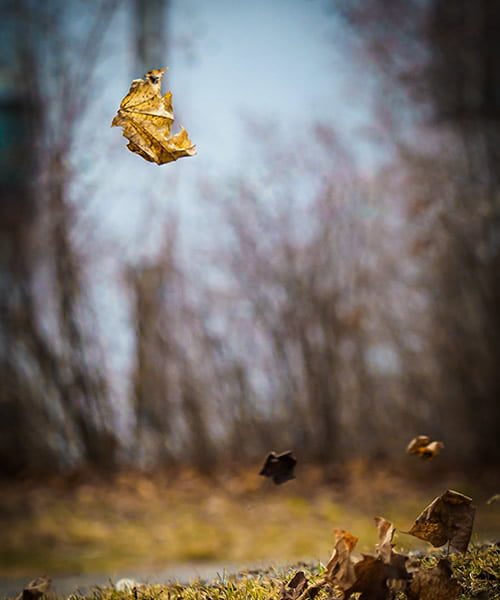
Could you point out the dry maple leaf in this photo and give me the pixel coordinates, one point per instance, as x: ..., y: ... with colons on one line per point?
x: 340, y: 567
x: 423, y: 447
x: 147, y: 117
x: 448, y: 518
x: 434, y: 584
x: 279, y: 467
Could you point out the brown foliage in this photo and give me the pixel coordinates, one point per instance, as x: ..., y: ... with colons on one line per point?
x: 448, y: 518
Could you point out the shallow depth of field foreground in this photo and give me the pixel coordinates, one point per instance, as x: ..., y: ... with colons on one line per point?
x: 249, y: 299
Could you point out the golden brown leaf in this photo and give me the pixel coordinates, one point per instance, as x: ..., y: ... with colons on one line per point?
x: 423, y: 447
x: 340, y: 567
x: 448, y: 518
x: 147, y: 117
x: 434, y: 584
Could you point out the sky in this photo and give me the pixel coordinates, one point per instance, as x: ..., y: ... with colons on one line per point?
x: 236, y: 69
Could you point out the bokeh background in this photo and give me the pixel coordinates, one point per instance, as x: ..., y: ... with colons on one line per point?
x: 322, y: 276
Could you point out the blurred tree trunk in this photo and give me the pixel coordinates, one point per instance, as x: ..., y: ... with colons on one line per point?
x: 465, y: 86
x: 155, y: 350
x: 446, y: 56
x: 150, y: 24
x: 54, y: 402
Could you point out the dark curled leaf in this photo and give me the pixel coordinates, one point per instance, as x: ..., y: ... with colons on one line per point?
x: 297, y: 588
x: 279, y: 467
x: 372, y: 579
x: 448, y: 518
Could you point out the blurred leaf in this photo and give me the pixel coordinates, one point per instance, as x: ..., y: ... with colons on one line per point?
x: 448, y: 518
x: 423, y: 447
x: 146, y: 117
x: 279, y: 467
x: 434, y: 584
x: 493, y: 499
x: 35, y: 589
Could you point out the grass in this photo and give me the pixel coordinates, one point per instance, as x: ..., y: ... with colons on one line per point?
x: 150, y: 522
x: 477, y: 572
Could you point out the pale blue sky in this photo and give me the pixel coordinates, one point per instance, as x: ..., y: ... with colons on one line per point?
x: 287, y: 63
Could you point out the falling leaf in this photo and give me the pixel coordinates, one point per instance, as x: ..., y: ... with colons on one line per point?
x: 147, y: 117
x: 340, y: 567
x: 423, y: 447
x: 434, y: 584
x: 35, y: 589
x: 279, y: 467
x: 493, y: 499
x: 448, y: 518
x: 418, y: 442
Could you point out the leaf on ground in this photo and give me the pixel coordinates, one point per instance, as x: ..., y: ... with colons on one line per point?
x: 385, y: 534
x: 340, y: 567
x: 374, y: 578
x: 294, y: 587
x: 434, y: 584
x: 385, y: 551
x: 298, y: 588
x: 35, y: 589
x: 493, y: 499
x: 423, y: 447
x: 279, y: 467
x: 448, y: 518
x: 147, y: 117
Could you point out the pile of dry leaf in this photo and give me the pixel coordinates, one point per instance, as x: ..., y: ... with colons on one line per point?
x: 447, y: 520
